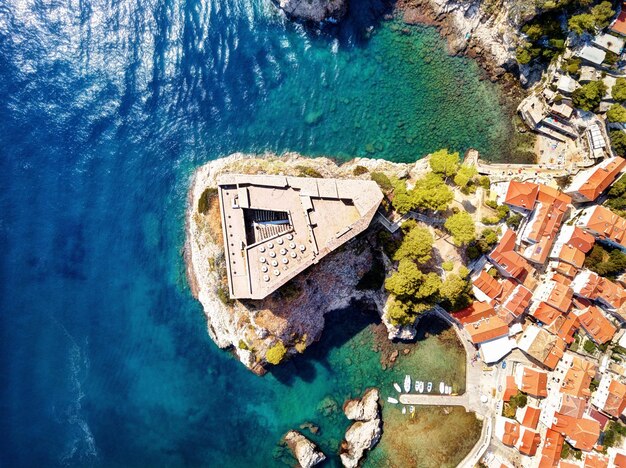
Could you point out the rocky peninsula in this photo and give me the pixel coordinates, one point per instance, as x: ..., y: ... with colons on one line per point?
x: 305, y: 451
x: 365, y: 432
x: 289, y: 320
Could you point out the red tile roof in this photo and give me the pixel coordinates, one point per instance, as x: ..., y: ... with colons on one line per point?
x: 619, y: 26
x: 515, y: 304
x: 511, y: 388
x: 616, y: 401
x: 534, y: 382
x: 597, y: 326
x: 522, y: 194
x: 605, y: 224
x: 530, y: 416
x: 488, y: 285
x: 551, y: 451
x: 529, y: 441
x: 506, y: 258
x: 600, y: 179
x: 583, y: 433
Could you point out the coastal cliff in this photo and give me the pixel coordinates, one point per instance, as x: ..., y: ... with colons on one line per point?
x: 289, y: 320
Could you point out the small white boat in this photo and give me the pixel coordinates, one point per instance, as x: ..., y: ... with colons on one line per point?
x: 448, y: 390
x: 420, y: 388
x: 442, y: 387
x: 397, y: 387
x: 429, y: 387
x: 412, y: 409
x: 407, y: 383
x: 417, y: 385
x: 404, y: 410
x: 392, y: 400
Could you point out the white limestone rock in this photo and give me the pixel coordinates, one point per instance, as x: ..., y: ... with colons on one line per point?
x: 314, y: 10
x: 365, y: 433
x: 305, y: 451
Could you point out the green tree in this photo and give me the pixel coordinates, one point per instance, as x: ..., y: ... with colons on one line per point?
x: 454, y: 291
x: 616, y: 113
x: 444, y: 163
x: 401, y: 312
x: 417, y: 245
x: 618, y: 91
x: 589, y: 95
x: 406, y: 281
x: 431, y: 193
x: 402, y: 200
x: 276, y: 353
x: 465, y: 174
x: 430, y: 286
x: 523, y: 55
x: 618, y: 141
x: 514, y: 220
x: 585, y: 22
x: 462, y: 228
x: 602, y: 14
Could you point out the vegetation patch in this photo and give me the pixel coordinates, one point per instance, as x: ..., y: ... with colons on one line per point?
x: 205, y: 200
x: 276, y: 353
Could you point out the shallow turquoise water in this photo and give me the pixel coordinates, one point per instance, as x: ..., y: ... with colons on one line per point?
x: 106, y: 109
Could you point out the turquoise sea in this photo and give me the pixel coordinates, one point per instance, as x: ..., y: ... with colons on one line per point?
x: 106, y: 107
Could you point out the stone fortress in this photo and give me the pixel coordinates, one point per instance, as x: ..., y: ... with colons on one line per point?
x: 275, y: 227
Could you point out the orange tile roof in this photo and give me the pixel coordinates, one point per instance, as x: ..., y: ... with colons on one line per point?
x: 620, y: 460
x: 534, y: 382
x: 566, y: 464
x: 595, y: 460
x: 597, y: 326
x: 568, y: 328
x: 572, y: 256
x: 529, y: 442
x: 522, y: 194
x: 511, y: 388
x: 547, y: 314
x: 486, y: 329
x: 616, y: 401
x: 597, y: 287
x: 488, y: 285
x: 555, y: 353
x: 582, y: 433
x: 605, y: 224
x: 505, y: 257
x: 511, y: 433
x: 578, y: 378
x: 530, y: 416
x: 551, y: 451
x: 581, y: 240
x: 560, y: 297
x: 553, y: 196
x: 600, y: 179
x: 566, y: 269
x: 515, y: 304
x: 476, y: 311
x: 572, y: 406
x: 619, y: 26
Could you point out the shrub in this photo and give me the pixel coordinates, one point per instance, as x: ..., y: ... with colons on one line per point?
x: 590, y: 347
x: 243, y: 345
x: 572, y: 66
x: 360, y: 170
x: 382, y: 180
x: 462, y: 228
x: 417, y: 245
x: 306, y: 171
x: 223, y: 295
x: 514, y: 220
x: 205, y: 200
x: 484, y: 182
x: 464, y: 271
x: 447, y: 266
x: 276, y: 353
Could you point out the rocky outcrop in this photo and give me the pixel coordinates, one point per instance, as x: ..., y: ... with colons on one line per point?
x: 365, y: 433
x: 305, y: 451
x: 314, y: 10
x: 293, y: 315
x: 487, y: 30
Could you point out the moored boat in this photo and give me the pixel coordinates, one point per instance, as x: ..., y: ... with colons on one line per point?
x: 397, y: 387
x: 407, y: 383
x: 392, y: 400
x: 442, y: 387
x: 429, y: 387
x: 404, y: 410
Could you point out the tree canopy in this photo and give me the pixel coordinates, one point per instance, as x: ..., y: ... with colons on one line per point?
x: 598, y: 17
x: 417, y: 245
x: 444, y: 163
x: 589, y: 95
x: 276, y: 353
x: 461, y: 226
x: 618, y: 141
x: 454, y: 291
x: 616, y: 113
x: 431, y: 193
x: 464, y: 175
x: 618, y: 91
x: 406, y: 280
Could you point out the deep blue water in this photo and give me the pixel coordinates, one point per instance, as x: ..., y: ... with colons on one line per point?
x: 105, y: 109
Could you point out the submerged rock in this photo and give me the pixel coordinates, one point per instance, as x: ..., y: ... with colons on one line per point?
x: 314, y: 10
x: 365, y: 433
x: 305, y: 451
